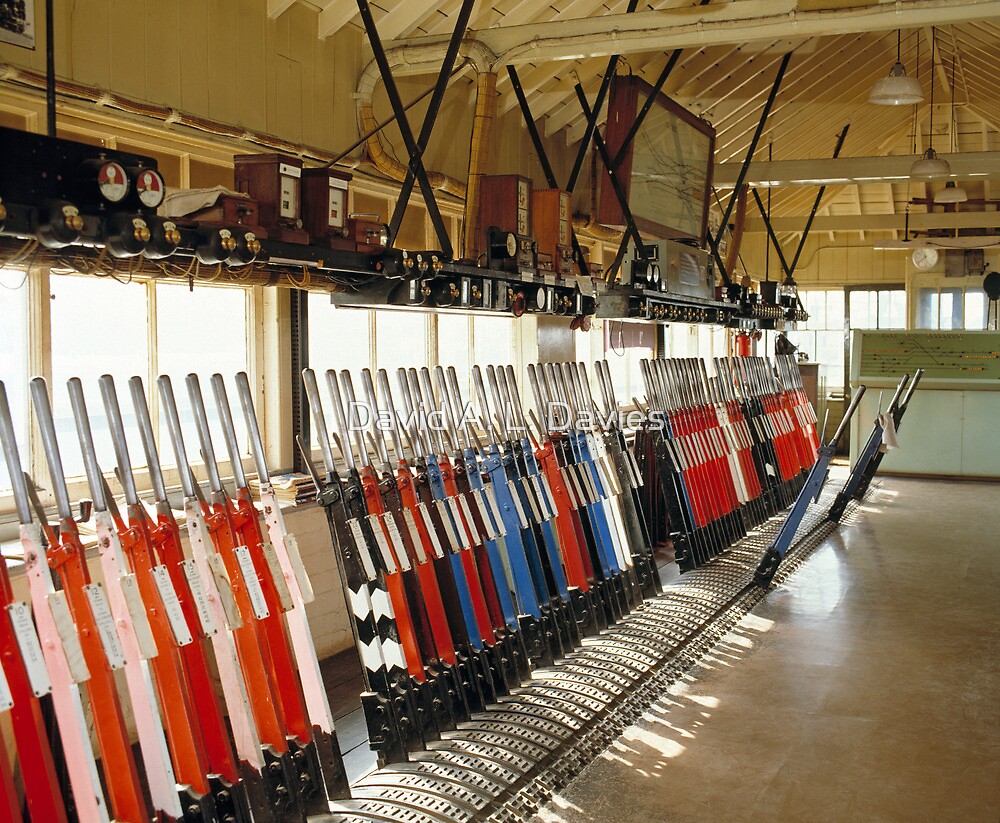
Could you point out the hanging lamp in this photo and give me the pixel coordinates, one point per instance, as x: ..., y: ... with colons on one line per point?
x: 898, y: 89
x: 952, y: 192
x: 930, y: 166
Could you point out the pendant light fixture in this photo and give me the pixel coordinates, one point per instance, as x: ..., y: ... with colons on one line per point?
x: 897, y: 89
x: 930, y: 166
x: 951, y: 193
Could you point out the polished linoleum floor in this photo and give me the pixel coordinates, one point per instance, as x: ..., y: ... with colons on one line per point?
x: 866, y: 688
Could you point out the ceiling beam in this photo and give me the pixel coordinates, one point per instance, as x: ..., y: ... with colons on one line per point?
x: 403, y: 17
x: 337, y: 14
x: 276, y: 8
x: 716, y: 24
x: 856, y: 170
x: 880, y: 222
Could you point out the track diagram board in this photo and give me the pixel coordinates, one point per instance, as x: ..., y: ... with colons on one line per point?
x: 944, y: 355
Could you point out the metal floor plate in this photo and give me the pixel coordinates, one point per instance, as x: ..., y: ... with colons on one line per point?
x: 509, y: 759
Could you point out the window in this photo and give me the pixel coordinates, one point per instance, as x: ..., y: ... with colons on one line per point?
x: 951, y: 307
x: 626, y: 346
x: 339, y: 338
x: 14, y: 366
x: 203, y: 331
x: 99, y: 326
x: 454, y: 348
x: 874, y: 308
x: 401, y: 339
x: 821, y: 337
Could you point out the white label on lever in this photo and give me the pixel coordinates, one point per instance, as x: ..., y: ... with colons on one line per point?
x: 550, y: 499
x: 547, y: 511
x: 484, y: 514
x: 205, y: 616
x: 470, y: 521
x: 277, y: 576
x: 449, y: 528
x: 171, y: 605
x: 456, y: 517
x: 105, y: 625
x: 491, y: 499
x: 383, y: 545
x: 516, y: 499
x: 225, y: 588
x: 418, y: 545
x: 425, y: 515
x: 361, y: 546
x: 137, y: 611
x: 250, y: 579
x: 31, y: 649
x: 398, y: 546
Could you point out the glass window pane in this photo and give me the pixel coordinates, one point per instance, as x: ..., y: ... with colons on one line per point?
x: 400, y: 340
x: 927, y: 308
x: 951, y: 308
x: 864, y: 310
x: 14, y: 358
x: 339, y: 338
x: 891, y: 309
x: 453, y: 347
x: 975, y: 309
x: 834, y: 309
x: 618, y: 365
x: 493, y: 340
x: 203, y: 332
x: 815, y: 303
x: 84, y: 347
x: 830, y: 356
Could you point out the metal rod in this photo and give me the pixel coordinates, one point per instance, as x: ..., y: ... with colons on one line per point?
x: 616, y: 184
x: 745, y: 168
x: 94, y: 477
x: 117, y: 424
x: 176, y: 435
x: 609, y: 72
x: 430, y: 118
x: 404, y: 128
x: 43, y: 411
x: 50, y: 67
x: 316, y: 407
x: 770, y: 232
x: 228, y: 430
x: 148, y: 440
x: 357, y: 432
x: 253, y: 429
x: 392, y: 118
x: 204, y: 435
x: 848, y: 415
x: 543, y: 158
x: 397, y: 436
x: 13, y: 458
x: 340, y: 419
x: 815, y: 207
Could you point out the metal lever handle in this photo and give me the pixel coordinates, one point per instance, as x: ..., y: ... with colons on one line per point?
x: 114, y: 414
x: 94, y: 477
x: 397, y: 437
x: 377, y: 436
x: 456, y: 398
x: 848, y: 415
x: 356, y: 432
x: 425, y: 392
x: 43, y: 411
x: 446, y: 406
x: 13, y: 458
x: 253, y: 429
x: 228, y: 430
x: 319, y: 419
x: 340, y: 419
x: 204, y: 435
x: 413, y: 430
x: 913, y: 387
x: 176, y: 435
x: 484, y: 408
x: 138, y: 393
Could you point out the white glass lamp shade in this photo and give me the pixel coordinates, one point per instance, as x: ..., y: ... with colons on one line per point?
x: 897, y: 89
x: 951, y: 193
x: 930, y: 166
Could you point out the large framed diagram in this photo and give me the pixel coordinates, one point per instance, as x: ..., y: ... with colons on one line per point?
x: 17, y: 22
x: 667, y: 171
